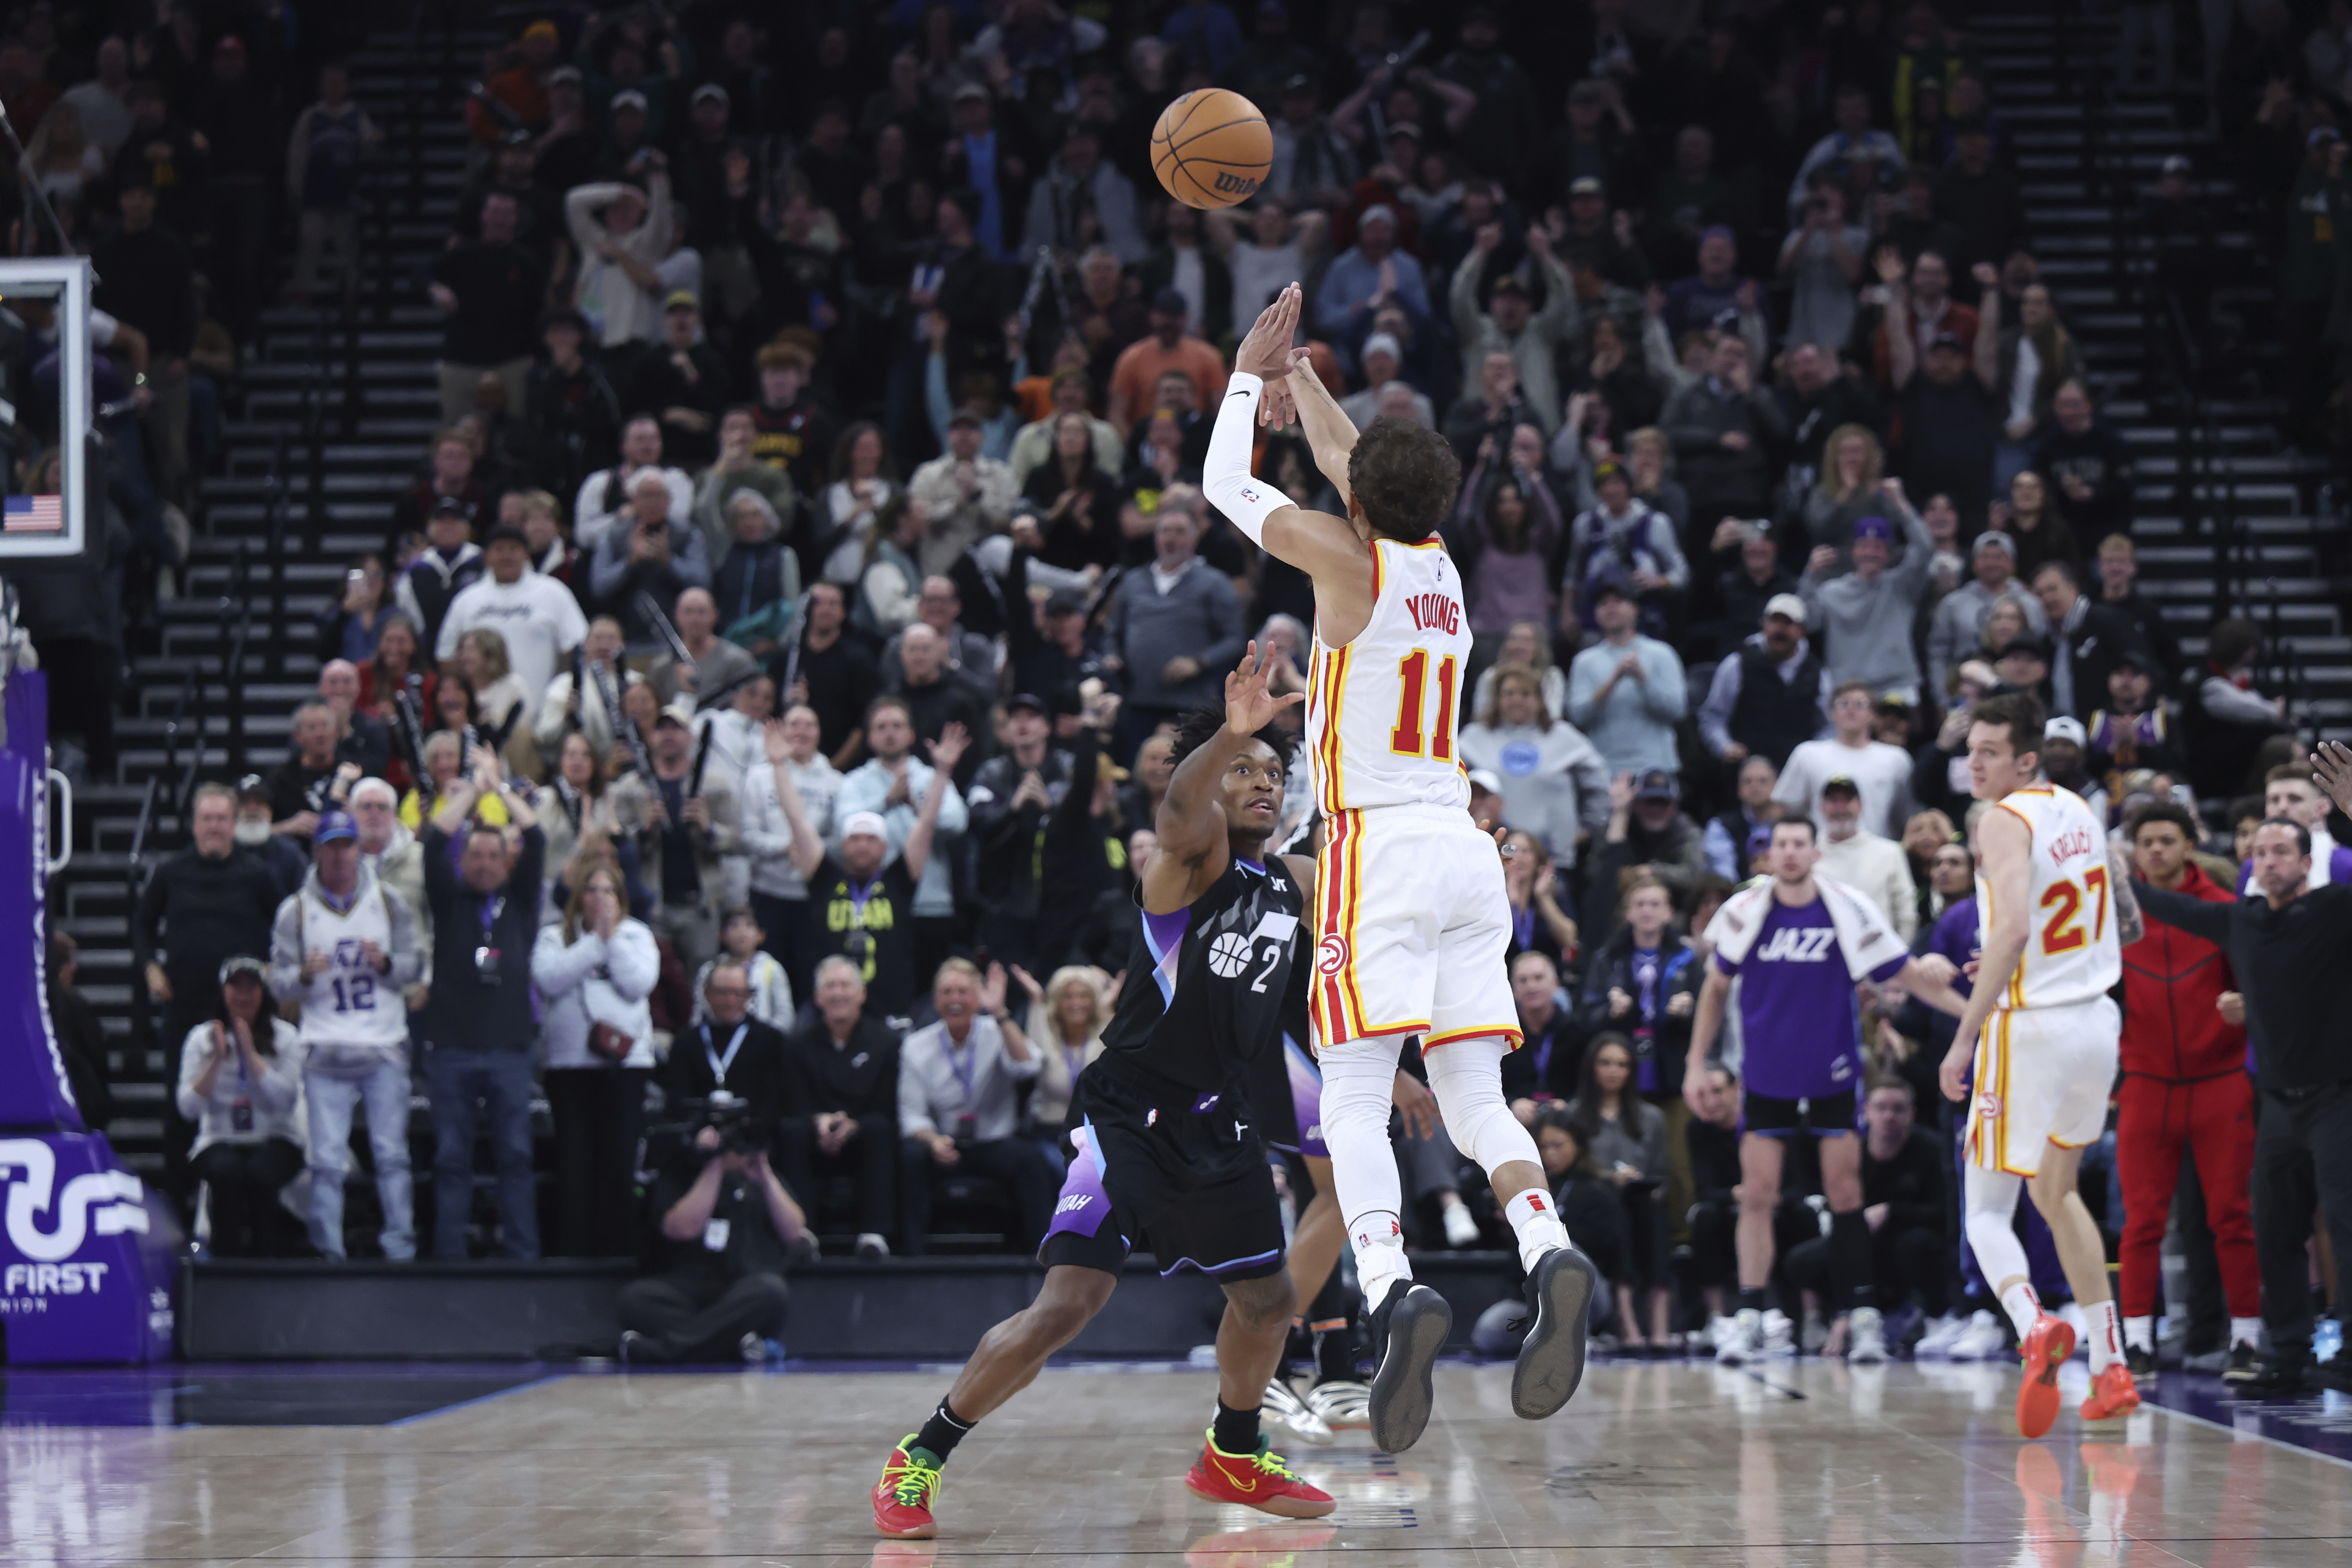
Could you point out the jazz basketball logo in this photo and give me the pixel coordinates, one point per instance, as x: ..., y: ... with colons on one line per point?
x: 1331, y: 953
x: 1229, y: 956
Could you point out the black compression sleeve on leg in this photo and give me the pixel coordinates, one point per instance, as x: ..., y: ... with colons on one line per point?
x: 942, y: 1432
x: 1850, y: 1266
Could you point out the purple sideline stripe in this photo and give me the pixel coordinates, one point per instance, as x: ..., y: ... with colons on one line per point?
x: 1226, y: 1268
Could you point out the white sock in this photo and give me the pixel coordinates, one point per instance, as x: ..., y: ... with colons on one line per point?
x: 2246, y: 1332
x: 2140, y: 1333
x: 1379, y: 1247
x: 1536, y: 1224
x: 2106, y: 1338
x: 2023, y: 1306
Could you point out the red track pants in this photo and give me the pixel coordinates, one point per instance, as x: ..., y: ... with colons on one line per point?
x: 2213, y: 1120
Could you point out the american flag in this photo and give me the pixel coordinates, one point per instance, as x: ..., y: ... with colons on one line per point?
x: 32, y: 514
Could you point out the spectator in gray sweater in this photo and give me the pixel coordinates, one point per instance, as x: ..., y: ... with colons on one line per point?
x: 1957, y: 631
x: 1866, y: 615
x: 1176, y: 628
x: 1554, y: 783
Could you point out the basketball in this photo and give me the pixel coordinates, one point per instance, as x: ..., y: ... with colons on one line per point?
x: 1211, y: 148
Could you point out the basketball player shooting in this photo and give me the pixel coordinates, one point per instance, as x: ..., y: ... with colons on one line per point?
x: 1412, y: 921
x: 2057, y: 910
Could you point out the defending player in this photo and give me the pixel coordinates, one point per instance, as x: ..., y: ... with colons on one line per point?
x: 1168, y: 1152
x: 1802, y: 943
x: 2057, y: 910
x: 1412, y: 923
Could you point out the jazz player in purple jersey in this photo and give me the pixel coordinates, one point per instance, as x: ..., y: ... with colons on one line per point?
x: 1800, y: 944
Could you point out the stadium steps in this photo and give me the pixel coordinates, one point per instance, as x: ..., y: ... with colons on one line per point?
x: 2084, y: 154
x: 298, y: 353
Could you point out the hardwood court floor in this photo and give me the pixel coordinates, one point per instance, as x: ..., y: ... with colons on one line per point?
x: 1798, y: 1465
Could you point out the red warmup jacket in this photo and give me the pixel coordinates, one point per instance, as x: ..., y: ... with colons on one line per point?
x: 2171, y: 980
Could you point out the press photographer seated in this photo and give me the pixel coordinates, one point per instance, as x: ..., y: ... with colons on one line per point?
x: 723, y: 1226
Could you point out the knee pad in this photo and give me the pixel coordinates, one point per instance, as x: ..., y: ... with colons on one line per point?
x: 1988, y: 1211
x: 1466, y: 1076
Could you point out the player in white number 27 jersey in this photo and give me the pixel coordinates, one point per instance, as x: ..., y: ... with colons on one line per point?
x: 2056, y: 910
x: 1411, y: 924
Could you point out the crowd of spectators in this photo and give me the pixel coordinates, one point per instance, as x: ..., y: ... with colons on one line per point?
x: 785, y: 623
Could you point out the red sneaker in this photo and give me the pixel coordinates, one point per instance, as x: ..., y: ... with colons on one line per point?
x: 1259, y: 1480
x: 902, y: 1497
x: 2113, y: 1394
x: 2044, y: 1351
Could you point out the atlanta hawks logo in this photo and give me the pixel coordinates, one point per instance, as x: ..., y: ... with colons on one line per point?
x: 1989, y: 1106
x: 1331, y: 953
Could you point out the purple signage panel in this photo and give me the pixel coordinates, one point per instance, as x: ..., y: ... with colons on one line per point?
x: 33, y: 1090
x: 86, y: 1255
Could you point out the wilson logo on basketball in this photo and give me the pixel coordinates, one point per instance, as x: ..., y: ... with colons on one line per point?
x: 1331, y: 953
x: 1989, y: 1106
x: 1234, y: 185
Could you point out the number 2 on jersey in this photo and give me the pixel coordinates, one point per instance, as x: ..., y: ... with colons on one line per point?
x: 2065, y: 932
x: 1406, y: 740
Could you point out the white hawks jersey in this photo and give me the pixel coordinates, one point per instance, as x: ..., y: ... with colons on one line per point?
x: 349, y: 1003
x: 2072, y: 952
x: 1380, y: 710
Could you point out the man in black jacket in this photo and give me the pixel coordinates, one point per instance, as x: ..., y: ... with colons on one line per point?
x: 1009, y: 798
x: 840, y: 1109
x: 1903, y: 1200
x: 2279, y: 938
x: 480, y: 1023
x: 2087, y: 638
x: 831, y: 672
x: 730, y: 1052
x: 205, y: 904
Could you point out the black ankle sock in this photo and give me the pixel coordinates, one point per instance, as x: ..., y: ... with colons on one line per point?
x: 1850, y: 1282
x: 1335, y: 1349
x: 1752, y: 1301
x: 1236, y: 1430
x: 943, y: 1431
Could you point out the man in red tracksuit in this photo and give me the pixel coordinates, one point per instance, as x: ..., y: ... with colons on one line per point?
x: 2185, y: 1086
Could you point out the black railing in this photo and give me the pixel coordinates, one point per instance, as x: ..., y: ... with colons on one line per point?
x: 238, y: 607
x: 276, y: 513
x: 142, y: 1004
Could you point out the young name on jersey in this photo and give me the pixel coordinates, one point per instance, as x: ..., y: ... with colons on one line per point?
x: 1381, y: 710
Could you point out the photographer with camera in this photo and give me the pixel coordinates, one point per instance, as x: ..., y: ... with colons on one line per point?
x: 480, y: 1021
x: 716, y: 1289
x: 730, y: 1052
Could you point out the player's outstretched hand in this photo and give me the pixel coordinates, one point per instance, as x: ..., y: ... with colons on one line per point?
x: 1265, y: 352
x: 1416, y: 1104
x: 1249, y: 706
x: 1277, y: 405
x: 2331, y: 765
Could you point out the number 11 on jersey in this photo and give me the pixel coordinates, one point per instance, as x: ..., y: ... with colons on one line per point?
x: 1407, y: 740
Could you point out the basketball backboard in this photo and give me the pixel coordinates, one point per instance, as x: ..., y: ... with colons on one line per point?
x: 46, y: 395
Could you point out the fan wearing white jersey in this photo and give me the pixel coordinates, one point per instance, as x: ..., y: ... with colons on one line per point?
x: 2056, y: 910
x: 344, y: 946
x: 1411, y: 922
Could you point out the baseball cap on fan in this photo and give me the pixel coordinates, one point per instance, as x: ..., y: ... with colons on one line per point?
x: 867, y: 823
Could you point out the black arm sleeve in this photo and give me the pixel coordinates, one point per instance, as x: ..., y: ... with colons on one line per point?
x: 2196, y: 916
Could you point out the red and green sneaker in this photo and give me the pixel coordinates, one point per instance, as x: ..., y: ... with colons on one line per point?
x: 1259, y: 1480
x: 902, y: 1497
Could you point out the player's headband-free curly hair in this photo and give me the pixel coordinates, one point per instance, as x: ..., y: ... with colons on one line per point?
x: 1195, y: 729
x: 1405, y: 475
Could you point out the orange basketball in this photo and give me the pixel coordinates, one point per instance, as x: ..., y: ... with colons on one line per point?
x: 1211, y: 148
